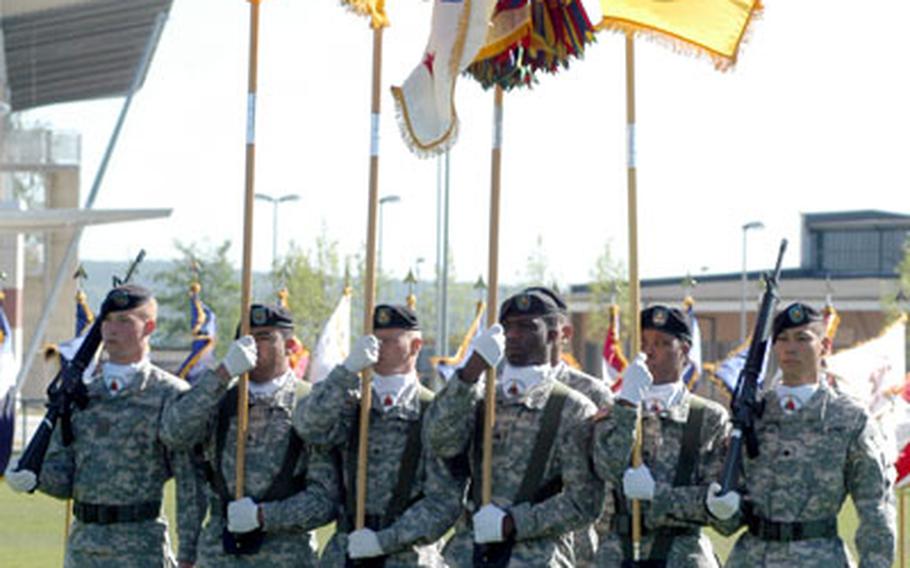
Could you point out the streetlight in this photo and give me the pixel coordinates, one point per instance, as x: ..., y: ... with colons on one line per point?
x: 383, y: 201
x: 742, y: 298
x: 275, y: 201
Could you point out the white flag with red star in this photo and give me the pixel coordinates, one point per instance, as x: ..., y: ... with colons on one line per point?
x: 426, y: 111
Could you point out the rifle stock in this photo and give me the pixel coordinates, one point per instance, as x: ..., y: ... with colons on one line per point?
x: 746, y: 406
x: 65, y: 391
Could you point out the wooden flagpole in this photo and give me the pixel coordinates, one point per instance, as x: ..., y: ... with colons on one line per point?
x: 489, y: 415
x: 634, y: 289
x: 369, y: 293
x: 247, y: 275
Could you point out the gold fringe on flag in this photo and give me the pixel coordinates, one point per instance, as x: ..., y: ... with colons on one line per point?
x: 715, y: 29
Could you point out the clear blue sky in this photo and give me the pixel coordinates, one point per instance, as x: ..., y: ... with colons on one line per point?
x: 814, y: 117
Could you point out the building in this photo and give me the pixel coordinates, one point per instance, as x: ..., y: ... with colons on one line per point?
x: 51, y: 52
x: 849, y: 257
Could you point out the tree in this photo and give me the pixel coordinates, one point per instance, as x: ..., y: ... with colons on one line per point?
x: 609, y: 284
x: 314, y: 284
x: 220, y: 291
x: 537, y: 271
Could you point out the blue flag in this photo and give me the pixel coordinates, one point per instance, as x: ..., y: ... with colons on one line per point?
x: 84, y: 315
x: 726, y: 373
x: 204, y: 330
x: 9, y: 367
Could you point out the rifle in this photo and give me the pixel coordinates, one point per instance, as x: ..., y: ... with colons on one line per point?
x: 68, y: 390
x: 746, y: 406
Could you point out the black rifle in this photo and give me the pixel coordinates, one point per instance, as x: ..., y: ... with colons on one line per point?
x: 746, y: 406
x: 68, y: 390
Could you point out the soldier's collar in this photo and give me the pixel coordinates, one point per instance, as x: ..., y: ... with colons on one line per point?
x: 535, y: 398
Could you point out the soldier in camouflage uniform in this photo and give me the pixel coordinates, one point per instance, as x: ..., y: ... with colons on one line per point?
x: 118, y: 462
x: 411, y: 497
x: 290, y: 488
x: 816, y: 446
x: 530, y: 519
x: 586, y: 539
x: 682, y: 451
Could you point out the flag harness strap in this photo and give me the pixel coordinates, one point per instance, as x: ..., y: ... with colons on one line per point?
x: 407, y: 472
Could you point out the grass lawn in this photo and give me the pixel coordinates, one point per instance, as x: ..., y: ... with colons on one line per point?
x: 31, y: 529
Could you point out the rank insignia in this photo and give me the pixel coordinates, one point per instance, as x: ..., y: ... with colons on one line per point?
x: 383, y: 316
x: 659, y: 317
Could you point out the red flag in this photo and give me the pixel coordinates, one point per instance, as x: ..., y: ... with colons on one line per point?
x: 614, y: 362
x: 299, y: 358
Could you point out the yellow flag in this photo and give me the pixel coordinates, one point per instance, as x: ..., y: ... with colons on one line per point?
x: 375, y: 9
x: 713, y: 27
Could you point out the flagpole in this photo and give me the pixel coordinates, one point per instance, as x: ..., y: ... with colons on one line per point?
x: 489, y: 415
x: 369, y: 295
x: 634, y: 289
x: 247, y: 275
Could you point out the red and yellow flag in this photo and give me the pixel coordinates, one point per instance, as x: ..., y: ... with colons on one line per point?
x: 712, y: 27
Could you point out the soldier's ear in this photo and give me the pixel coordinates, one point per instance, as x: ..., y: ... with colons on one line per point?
x: 149, y: 326
x: 827, y: 344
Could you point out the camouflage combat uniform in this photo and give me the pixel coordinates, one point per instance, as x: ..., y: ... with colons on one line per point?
x: 287, y: 521
x: 119, y: 458
x: 809, y: 461
x: 329, y: 419
x: 597, y: 391
x: 543, y: 529
x: 678, y: 509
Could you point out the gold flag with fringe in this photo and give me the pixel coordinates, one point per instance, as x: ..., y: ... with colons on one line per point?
x: 711, y: 27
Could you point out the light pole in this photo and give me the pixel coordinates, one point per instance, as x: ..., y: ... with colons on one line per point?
x: 742, y: 298
x: 275, y: 201
x: 382, y: 201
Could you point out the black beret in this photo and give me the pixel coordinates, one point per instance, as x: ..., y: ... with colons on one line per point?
x: 671, y: 321
x: 796, y: 314
x: 557, y: 299
x: 528, y: 303
x: 125, y: 297
x: 389, y: 316
x: 270, y: 316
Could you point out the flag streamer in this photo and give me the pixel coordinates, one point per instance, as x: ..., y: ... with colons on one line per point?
x: 527, y: 37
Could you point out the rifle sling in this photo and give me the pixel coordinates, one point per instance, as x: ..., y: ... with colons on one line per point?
x: 407, y: 471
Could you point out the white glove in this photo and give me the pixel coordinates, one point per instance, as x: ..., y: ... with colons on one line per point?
x: 488, y: 524
x: 636, y: 380
x: 363, y: 543
x: 243, y: 515
x: 20, y: 481
x: 637, y: 483
x: 241, y: 356
x: 722, y: 507
x: 364, y: 354
x: 490, y: 345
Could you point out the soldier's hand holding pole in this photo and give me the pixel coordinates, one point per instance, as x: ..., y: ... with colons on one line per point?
x: 363, y: 543
x: 240, y: 357
x: 364, y: 354
x: 636, y: 380
x: 488, y: 348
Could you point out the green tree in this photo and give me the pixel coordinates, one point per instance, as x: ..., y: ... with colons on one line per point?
x: 314, y: 284
x: 220, y: 291
x: 609, y: 283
